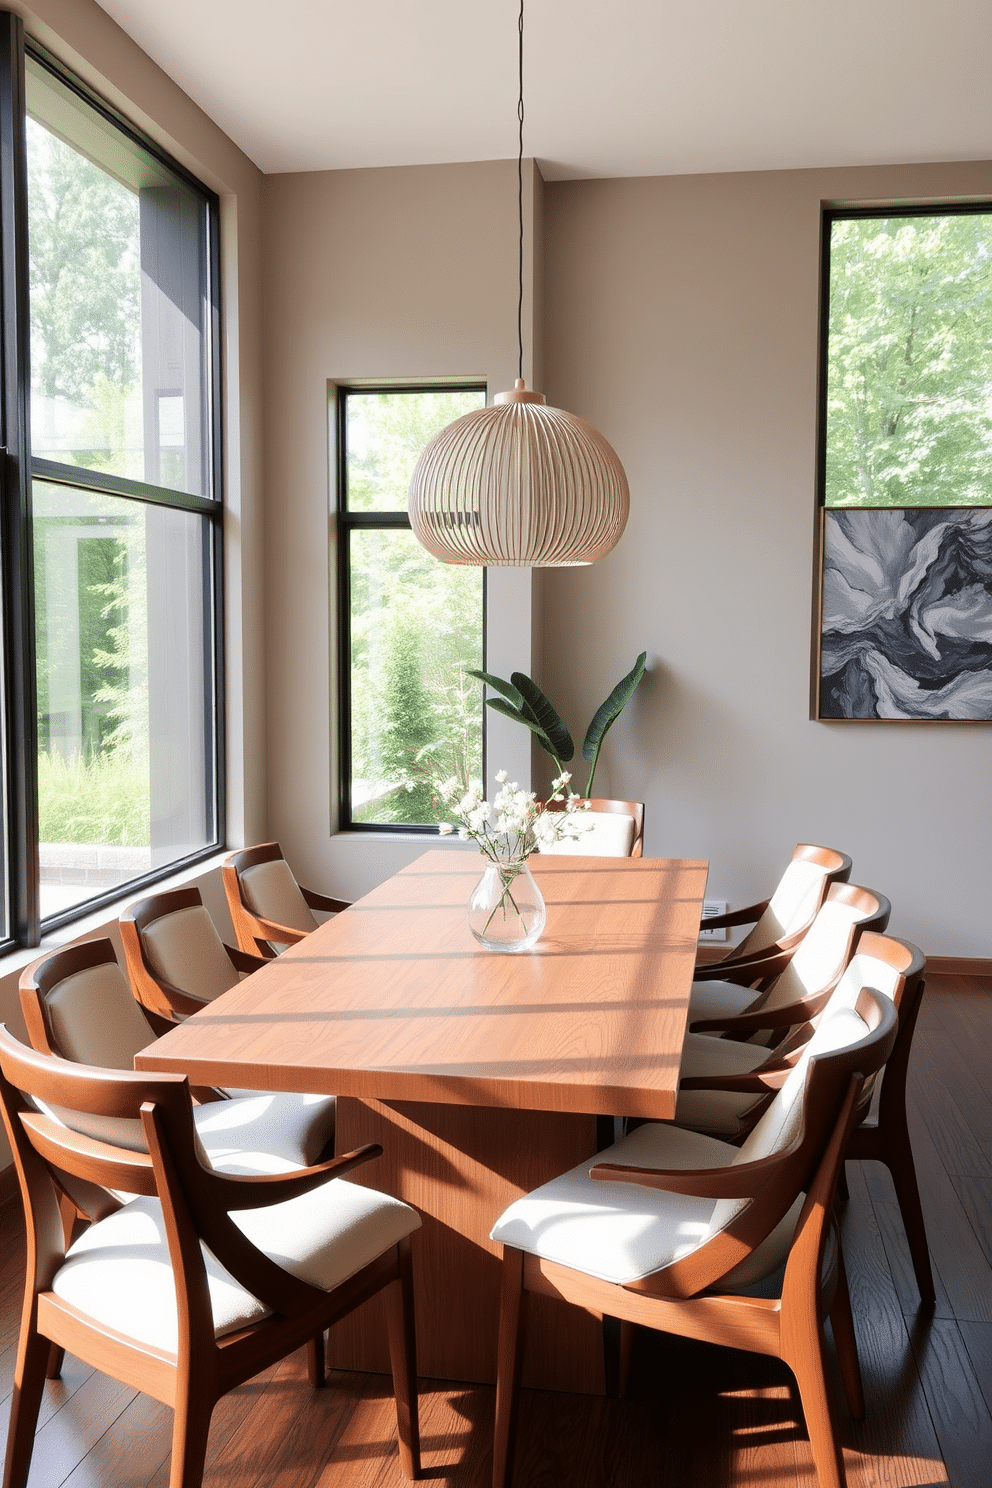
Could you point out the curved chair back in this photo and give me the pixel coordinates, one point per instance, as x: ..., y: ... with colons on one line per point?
x: 792, y: 908
x: 616, y: 830
x: 176, y: 960
x: 847, y: 912
x: 78, y: 1006
x: 269, y: 909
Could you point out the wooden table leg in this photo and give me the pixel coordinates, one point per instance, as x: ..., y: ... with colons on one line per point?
x: 460, y: 1166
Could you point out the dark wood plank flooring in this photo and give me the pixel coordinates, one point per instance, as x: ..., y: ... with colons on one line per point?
x: 695, y: 1415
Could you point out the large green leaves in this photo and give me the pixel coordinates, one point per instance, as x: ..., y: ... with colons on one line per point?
x: 607, y: 714
x: 524, y: 702
x: 546, y: 715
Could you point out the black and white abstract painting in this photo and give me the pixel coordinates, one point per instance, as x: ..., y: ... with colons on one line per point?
x: 906, y: 623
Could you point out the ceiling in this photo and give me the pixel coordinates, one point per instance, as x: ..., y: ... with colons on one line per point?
x: 614, y: 88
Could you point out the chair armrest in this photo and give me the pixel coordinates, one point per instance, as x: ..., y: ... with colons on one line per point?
x: 743, y: 1181
x: 758, y: 1082
x: 244, y: 960
x: 243, y: 1191
x: 762, y: 966
x: 264, y: 929
x: 183, y: 1004
x: 323, y: 901
x: 790, y: 1015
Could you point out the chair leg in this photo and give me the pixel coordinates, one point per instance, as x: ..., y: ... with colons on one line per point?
x: 806, y: 1363
x: 29, y: 1385
x: 398, y: 1298
x: 316, y: 1356
x: 626, y: 1347
x: 190, y: 1429
x: 847, y: 1345
x: 508, y: 1360
x: 899, y: 1161
x: 843, y: 1192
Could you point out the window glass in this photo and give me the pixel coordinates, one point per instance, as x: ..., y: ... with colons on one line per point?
x: 118, y: 298
x: 909, y: 361
x: 414, y: 624
x: 125, y: 775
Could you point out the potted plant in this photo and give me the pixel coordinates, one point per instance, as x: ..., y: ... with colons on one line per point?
x: 523, y: 700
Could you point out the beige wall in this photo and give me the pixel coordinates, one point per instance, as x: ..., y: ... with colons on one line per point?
x: 681, y: 318
x: 377, y: 274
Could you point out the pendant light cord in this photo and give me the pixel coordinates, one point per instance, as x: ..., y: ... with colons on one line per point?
x: 520, y: 193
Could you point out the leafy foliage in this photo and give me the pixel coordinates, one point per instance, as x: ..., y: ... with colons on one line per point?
x: 101, y: 799
x: 909, y: 378
x: 525, y: 703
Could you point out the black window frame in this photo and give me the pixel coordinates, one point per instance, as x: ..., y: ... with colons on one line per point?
x: 347, y: 523
x: 20, y: 468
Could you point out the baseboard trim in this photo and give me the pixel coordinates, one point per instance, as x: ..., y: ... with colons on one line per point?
x: 9, y: 1187
x: 959, y: 966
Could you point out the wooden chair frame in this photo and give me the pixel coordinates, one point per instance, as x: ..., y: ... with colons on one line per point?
x: 196, y: 1204
x: 609, y: 807
x: 882, y: 1137
x: 763, y: 972
x: 166, y: 1003
x: 838, y: 870
x: 684, y: 1298
x: 254, y: 934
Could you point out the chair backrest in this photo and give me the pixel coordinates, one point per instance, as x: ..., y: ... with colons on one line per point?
x: 801, y: 890
x: 172, y: 947
x: 78, y: 1006
x: 847, y: 911
x: 260, y: 886
x: 613, y: 829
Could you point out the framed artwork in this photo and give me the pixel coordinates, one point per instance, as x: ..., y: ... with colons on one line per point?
x: 906, y: 614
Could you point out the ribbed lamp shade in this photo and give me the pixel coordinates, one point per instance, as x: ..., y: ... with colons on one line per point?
x: 519, y: 484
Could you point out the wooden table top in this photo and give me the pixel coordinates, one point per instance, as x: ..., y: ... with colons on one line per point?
x: 394, y: 1000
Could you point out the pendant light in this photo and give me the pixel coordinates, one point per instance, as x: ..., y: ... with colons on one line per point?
x: 519, y: 483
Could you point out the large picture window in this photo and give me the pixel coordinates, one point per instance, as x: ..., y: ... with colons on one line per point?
x: 115, y: 603
x: 906, y: 466
x: 410, y: 625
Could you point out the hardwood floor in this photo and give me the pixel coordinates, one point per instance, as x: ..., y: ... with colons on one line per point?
x: 696, y: 1415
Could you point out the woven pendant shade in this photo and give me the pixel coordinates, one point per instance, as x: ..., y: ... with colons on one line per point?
x: 519, y: 484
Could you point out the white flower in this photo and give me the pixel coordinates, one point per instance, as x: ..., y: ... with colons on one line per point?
x: 444, y: 829
x: 501, y: 776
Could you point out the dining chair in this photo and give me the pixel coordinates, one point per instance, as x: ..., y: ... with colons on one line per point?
x: 202, y: 1280
x: 77, y: 1006
x: 269, y: 909
x: 779, y: 923
x: 726, y: 1084
x: 787, y: 995
x: 678, y: 1231
x: 611, y: 829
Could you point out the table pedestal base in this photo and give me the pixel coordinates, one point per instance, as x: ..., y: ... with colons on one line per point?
x: 460, y: 1166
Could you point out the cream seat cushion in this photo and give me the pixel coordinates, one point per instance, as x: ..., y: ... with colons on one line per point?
x: 720, y: 999
x: 718, y: 1112
x: 120, y: 1275
x: 601, y: 834
x: 270, y: 890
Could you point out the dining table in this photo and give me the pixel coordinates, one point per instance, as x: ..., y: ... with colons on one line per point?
x: 481, y: 1074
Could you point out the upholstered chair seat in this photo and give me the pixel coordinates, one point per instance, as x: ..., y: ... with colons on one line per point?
x: 119, y: 1272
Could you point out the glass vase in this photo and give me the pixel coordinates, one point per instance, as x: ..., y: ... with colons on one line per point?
x: 506, y: 912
